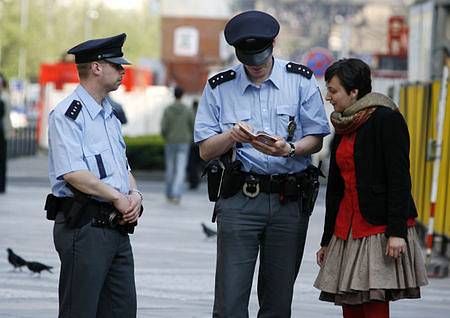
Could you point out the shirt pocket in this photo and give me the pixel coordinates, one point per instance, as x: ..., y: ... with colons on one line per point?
x: 230, y: 118
x: 284, y: 114
x: 100, y: 160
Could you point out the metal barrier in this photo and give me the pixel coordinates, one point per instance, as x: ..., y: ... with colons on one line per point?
x: 23, y: 142
x: 419, y: 105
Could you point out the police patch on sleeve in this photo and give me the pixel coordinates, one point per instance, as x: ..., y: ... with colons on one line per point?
x: 220, y: 78
x: 74, y: 109
x: 299, y: 69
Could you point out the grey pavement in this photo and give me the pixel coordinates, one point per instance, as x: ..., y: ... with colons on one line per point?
x: 174, y: 261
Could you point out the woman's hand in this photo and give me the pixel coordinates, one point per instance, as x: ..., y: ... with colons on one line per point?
x: 320, y: 255
x: 395, y: 246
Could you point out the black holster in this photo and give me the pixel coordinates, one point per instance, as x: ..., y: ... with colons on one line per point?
x: 214, y: 171
x: 233, y: 179
x: 224, y: 177
x: 310, y: 187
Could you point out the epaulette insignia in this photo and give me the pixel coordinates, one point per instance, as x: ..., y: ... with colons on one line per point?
x: 220, y: 78
x: 74, y: 109
x: 299, y: 69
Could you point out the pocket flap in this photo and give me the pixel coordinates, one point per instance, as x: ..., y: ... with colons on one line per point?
x: 233, y: 117
x: 286, y: 110
x: 95, y: 149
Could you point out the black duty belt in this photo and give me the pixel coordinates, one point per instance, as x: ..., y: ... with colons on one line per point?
x: 272, y: 183
x: 99, y: 214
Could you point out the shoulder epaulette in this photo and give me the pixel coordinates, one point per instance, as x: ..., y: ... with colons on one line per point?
x: 220, y: 78
x: 116, y: 113
x: 74, y: 109
x: 299, y: 69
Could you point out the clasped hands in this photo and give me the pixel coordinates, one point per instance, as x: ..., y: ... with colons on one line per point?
x: 130, y: 207
x: 278, y: 148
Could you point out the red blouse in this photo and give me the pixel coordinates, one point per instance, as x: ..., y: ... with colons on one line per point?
x: 349, y: 216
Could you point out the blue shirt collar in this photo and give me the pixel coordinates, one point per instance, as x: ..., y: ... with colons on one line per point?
x: 275, y: 77
x: 91, y: 104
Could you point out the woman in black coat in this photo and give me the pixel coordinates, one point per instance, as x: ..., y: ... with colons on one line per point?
x: 370, y: 254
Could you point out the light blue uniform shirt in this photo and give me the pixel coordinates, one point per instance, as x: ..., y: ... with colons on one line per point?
x: 93, y: 141
x: 267, y: 107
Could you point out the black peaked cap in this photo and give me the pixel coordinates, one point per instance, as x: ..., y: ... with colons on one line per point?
x: 109, y: 49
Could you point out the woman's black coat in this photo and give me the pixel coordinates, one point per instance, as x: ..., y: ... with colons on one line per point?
x: 383, y: 181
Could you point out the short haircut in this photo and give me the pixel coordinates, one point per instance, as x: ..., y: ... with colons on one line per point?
x: 83, y: 70
x: 178, y: 92
x: 353, y: 74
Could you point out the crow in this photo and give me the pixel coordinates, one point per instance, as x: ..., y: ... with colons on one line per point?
x: 208, y: 232
x: 15, y: 260
x: 37, y: 267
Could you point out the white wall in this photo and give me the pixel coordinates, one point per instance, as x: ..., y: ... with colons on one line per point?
x: 196, y: 8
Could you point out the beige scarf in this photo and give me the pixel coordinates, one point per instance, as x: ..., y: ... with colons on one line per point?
x: 357, y: 114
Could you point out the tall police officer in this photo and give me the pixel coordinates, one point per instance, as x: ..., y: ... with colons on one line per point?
x: 264, y: 213
x: 95, y: 198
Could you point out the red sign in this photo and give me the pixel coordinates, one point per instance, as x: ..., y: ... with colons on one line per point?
x: 318, y: 59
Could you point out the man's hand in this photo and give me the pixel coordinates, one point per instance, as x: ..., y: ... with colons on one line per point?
x: 131, y: 215
x: 279, y: 148
x: 320, y: 255
x: 395, y: 246
x: 239, y: 135
x: 121, y: 203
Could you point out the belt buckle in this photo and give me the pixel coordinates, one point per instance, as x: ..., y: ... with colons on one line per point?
x: 251, y: 187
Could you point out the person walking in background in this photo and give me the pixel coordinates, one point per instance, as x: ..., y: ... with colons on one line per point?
x: 260, y: 207
x: 94, y: 202
x: 5, y: 129
x: 370, y: 253
x: 195, y: 163
x: 177, y: 125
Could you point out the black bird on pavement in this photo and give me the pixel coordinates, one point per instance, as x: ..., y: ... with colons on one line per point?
x: 15, y: 260
x: 208, y: 232
x: 37, y: 267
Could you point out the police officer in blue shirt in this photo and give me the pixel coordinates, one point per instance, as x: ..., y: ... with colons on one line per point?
x: 261, y: 208
x: 94, y: 198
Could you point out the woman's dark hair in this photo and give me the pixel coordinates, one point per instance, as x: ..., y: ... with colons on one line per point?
x: 353, y: 74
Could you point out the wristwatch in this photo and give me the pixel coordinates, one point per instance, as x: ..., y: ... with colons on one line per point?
x: 138, y: 192
x: 291, y: 153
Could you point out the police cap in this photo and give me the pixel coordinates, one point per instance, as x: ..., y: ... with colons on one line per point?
x: 109, y: 49
x: 252, y: 34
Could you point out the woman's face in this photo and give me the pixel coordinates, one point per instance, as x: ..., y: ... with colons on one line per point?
x: 337, y: 95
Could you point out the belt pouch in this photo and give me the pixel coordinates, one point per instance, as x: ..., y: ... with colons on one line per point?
x: 51, y: 206
x: 233, y: 179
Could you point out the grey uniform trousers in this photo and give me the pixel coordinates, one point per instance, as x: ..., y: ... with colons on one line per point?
x: 245, y: 227
x: 97, y: 272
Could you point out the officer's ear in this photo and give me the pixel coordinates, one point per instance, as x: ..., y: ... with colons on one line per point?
x: 96, y: 68
x: 274, y: 41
